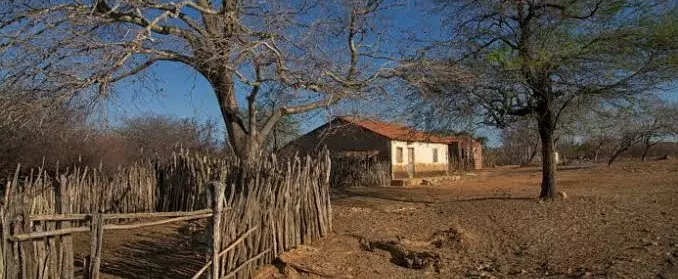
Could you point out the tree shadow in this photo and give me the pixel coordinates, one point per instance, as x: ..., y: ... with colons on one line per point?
x: 167, y: 256
x: 401, y: 195
x: 347, y: 193
x: 537, y: 169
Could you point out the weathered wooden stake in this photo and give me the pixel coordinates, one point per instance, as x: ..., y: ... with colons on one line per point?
x: 215, y: 197
x: 64, y: 207
x: 96, y: 245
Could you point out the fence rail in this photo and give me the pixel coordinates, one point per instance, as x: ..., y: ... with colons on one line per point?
x: 85, y: 217
x: 186, y: 216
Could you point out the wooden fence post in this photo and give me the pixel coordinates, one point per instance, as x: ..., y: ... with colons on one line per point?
x: 97, y: 232
x: 215, y: 196
x: 8, y: 268
x: 28, y: 261
x: 64, y: 207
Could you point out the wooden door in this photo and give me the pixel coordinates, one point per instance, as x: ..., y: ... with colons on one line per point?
x: 410, y: 162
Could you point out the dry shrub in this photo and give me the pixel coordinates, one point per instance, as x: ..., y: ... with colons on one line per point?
x: 455, y: 238
x: 65, y: 138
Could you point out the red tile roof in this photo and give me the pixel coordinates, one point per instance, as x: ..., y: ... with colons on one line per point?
x: 399, y: 132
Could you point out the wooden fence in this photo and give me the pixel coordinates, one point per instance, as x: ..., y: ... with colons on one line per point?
x: 256, y: 213
x: 359, y: 171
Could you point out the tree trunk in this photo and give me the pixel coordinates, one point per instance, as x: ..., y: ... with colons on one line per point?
x: 597, y: 152
x: 533, y: 154
x: 614, y: 156
x: 619, y: 149
x: 243, y: 143
x: 646, y: 150
x: 546, y: 131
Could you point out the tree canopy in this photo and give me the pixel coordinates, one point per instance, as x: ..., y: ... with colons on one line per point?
x: 503, y: 60
x: 320, y: 51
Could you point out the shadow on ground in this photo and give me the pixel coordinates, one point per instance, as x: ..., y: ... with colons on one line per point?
x: 409, y: 195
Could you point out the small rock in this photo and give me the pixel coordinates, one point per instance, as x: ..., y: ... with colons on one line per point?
x: 265, y: 272
x: 290, y: 272
x: 562, y: 195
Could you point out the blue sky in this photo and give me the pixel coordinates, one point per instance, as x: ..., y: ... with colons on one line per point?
x: 186, y: 94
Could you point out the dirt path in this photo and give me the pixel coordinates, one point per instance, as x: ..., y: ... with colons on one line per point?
x: 147, y: 253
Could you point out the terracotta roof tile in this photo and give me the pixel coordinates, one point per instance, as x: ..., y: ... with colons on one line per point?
x: 399, y: 132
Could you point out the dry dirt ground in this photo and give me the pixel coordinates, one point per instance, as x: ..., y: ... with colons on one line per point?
x: 619, y: 222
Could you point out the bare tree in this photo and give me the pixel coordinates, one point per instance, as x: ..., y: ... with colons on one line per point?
x: 32, y: 133
x: 538, y: 57
x: 322, y: 51
x: 664, y: 119
x: 151, y: 135
x: 520, y: 140
x: 647, y: 123
x: 593, y: 126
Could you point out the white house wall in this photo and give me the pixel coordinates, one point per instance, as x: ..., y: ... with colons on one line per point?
x: 423, y: 158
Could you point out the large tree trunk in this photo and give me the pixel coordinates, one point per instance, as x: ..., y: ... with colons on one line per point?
x: 244, y: 143
x: 546, y: 131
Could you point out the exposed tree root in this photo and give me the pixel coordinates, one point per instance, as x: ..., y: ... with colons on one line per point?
x: 406, y: 257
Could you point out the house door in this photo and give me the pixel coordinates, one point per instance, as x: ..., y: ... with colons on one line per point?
x: 410, y: 162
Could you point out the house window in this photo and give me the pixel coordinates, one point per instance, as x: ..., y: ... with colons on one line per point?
x: 435, y: 155
x: 399, y: 154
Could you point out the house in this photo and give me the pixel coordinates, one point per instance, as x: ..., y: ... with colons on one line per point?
x: 408, y: 152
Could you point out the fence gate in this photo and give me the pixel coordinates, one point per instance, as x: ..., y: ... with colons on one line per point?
x: 41, y: 246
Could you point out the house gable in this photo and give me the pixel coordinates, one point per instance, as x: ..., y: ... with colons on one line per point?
x: 340, y: 137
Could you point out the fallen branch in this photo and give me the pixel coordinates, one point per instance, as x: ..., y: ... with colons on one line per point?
x: 405, y: 257
x: 232, y: 273
x: 229, y: 248
x: 309, y: 271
